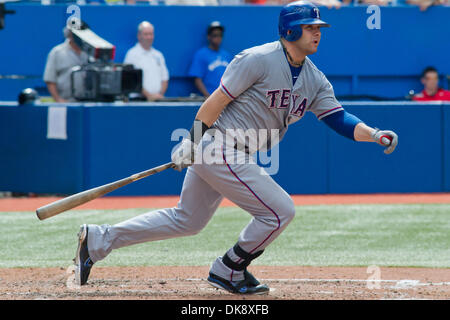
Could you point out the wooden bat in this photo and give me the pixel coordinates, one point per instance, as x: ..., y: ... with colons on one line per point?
x: 77, y: 199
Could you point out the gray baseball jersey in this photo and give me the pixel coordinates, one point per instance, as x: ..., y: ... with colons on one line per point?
x: 260, y: 83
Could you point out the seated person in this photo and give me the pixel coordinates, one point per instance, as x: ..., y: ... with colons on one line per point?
x: 370, y: 2
x: 431, y: 91
x: 328, y: 3
x: 155, y: 76
x: 60, y: 62
x: 190, y: 2
x: 210, y: 62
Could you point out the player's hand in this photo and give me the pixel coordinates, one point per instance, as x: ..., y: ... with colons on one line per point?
x: 386, y: 138
x: 184, y: 155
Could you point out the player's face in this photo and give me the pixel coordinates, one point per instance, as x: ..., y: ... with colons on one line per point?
x: 146, y: 37
x: 310, y: 39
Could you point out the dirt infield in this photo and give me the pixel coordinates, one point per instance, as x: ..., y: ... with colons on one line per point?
x: 167, y: 283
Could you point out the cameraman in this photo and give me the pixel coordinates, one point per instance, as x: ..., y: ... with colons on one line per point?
x: 60, y: 62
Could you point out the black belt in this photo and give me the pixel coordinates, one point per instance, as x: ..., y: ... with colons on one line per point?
x: 237, y: 147
x: 241, y: 148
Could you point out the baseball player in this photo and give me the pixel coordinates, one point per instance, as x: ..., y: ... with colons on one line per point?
x: 264, y: 88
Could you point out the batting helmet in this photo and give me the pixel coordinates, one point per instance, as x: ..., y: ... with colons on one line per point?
x: 296, y: 14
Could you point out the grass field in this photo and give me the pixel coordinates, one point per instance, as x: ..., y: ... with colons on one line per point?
x: 340, y: 235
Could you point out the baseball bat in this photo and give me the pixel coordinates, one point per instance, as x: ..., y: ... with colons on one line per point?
x: 77, y: 199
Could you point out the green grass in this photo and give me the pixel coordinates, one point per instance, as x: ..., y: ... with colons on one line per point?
x: 342, y: 235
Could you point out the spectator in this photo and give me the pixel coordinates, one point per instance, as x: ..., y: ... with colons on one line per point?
x: 95, y: 2
x: 230, y: 2
x: 431, y: 91
x: 210, y: 62
x: 326, y: 3
x: 425, y: 4
x: 60, y: 62
x: 369, y: 2
x: 155, y: 76
x: 261, y: 2
x: 106, y: 2
x: 191, y: 2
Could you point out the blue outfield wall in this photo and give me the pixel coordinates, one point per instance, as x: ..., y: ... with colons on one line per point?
x: 445, y: 126
x: 415, y: 166
x: 29, y: 162
x: 134, y: 139
x: 358, y: 61
x: 106, y: 143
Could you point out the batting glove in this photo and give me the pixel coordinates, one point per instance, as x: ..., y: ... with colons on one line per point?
x: 385, y: 138
x: 184, y: 155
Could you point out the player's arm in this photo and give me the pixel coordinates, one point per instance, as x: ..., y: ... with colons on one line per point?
x: 245, y: 67
x: 240, y: 74
x: 327, y: 108
x: 208, y: 113
x: 213, y: 107
x: 363, y: 132
x: 350, y: 126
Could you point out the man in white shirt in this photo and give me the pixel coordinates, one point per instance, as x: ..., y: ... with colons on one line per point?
x: 155, y: 76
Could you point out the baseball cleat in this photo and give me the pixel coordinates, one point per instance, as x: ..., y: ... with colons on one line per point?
x: 83, y: 262
x: 247, y: 286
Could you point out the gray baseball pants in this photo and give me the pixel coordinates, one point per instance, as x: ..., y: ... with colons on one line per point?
x: 204, y: 187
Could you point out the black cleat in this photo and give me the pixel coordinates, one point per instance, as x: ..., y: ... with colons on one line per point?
x: 247, y: 286
x: 83, y: 262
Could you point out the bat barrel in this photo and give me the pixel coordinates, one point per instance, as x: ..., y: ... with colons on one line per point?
x: 59, y: 206
x: 77, y: 199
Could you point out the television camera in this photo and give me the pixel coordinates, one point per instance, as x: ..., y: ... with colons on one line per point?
x: 101, y: 79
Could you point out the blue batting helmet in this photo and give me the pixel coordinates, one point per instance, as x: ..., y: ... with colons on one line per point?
x: 296, y: 14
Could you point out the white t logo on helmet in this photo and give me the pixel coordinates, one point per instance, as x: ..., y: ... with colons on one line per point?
x: 316, y: 11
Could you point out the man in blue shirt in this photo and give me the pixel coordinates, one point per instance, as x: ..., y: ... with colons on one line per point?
x: 210, y: 62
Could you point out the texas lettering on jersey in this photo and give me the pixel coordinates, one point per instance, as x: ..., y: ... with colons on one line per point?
x: 262, y: 97
x: 280, y: 98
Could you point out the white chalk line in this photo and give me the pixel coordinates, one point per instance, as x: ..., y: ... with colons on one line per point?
x: 404, y: 283
x: 396, y: 284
